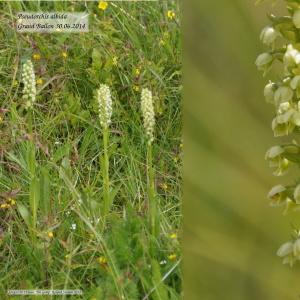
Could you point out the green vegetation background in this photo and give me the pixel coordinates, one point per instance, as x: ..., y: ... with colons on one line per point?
x: 130, y: 46
x: 231, y: 233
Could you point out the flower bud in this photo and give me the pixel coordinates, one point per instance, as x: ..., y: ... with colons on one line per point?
x: 285, y: 249
x: 148, y: 113
x: 269, y: 35
x: 269, y: 92
x: 274, y: 152
x: 103, y: 96
x: 296, y: 18
x: 264, y: 61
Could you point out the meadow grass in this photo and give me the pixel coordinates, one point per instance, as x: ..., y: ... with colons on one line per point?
x: 51, y: 179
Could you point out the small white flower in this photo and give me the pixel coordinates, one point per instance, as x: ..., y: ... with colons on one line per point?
x: 296, y: 18
x: 263, y: 61
x: 295, y: 82
x: 284, y: 123
x: 269, y: 92
x: 276, y: 190
x: 73, y: 226
x: 283, y: 94
x: 277, y: 160
x: 285, y: 118
x: 283, y: 107
x: 291, y: 56
x: 277, y: 195
x: 269, y: 35
x: 274, y: 152
x: 285, y: 249
x: 163, y: 262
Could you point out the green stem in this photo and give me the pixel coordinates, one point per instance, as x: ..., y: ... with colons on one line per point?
x: 151, y: 192
x: 105, y: 175
x: 33, y: 188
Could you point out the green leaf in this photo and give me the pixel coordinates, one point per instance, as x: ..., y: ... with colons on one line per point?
x: 45, y: 190
x: 24, y: 213
x: 34, y: 197
x: 61, y: 152
x: 160, y: 291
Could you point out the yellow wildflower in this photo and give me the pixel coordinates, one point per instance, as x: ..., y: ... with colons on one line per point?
x: 115, y: 61
x: 164, y: 186
x: 36, y: 56
x: 102, y: 260
x: 39, y: 81
x: 166, y: 34
x: 162, y: 42
x: 50, y: 234
x: 12, y: 201
x: 136, y: 88
x: 172, y: 256
x: 1, y: 119
x: 64, y: 54
x: 176, y: 159
x: 171, y: 14
x: 137, y: 72
x: 102, y: 5
x: 173, y: 236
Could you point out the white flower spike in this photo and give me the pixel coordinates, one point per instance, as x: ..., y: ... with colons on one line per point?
x: 28, y: 78
x: 148, y: 114
x: 105, y: 105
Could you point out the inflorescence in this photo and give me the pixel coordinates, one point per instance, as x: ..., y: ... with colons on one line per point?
x: 282, y: 37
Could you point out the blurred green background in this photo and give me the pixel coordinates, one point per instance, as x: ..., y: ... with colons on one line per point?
x: 231, y: 233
